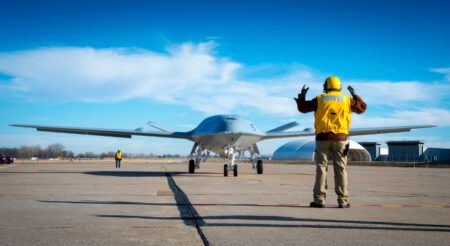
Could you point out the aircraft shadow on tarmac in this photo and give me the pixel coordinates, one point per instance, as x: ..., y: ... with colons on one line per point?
x: 167, y: 204
x: 201, y: 220
x: 336, y: 224
x: 120, y: 173
x: 150, y: 173
x: 185, y: 207
x: 132, y: 173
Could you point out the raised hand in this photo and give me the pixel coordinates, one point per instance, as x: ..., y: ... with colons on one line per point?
x: 302, y: 94
x: 304, y: 90
x: 351, y: 90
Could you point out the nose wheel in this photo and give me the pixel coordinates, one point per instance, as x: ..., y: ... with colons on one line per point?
x: 225, y: 170
x: 230, y: 165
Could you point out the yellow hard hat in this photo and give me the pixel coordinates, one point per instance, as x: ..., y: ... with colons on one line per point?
x: 332, y: 82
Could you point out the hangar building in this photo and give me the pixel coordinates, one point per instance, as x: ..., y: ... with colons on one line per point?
x: 374, y: 149
x: 405, y: 150
x: 437, y: 155
x: 303, y: 150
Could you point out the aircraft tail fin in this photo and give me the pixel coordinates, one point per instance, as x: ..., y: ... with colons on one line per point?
x: 284, y: 127
x: 157, y: 126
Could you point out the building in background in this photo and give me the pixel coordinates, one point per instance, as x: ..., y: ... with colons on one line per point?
x: 304, y: 149
x: 408, y: 151
x: 436, y: 155
x: 374, y: 149
x: 398, y: 151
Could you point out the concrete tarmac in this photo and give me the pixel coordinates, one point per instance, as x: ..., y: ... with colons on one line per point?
x: 161, y: 204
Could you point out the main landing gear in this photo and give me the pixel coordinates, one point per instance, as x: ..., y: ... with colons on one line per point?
x: 191, y: 166
x: 197, y: 152
x: 259, y: 167
x: 256, y: 162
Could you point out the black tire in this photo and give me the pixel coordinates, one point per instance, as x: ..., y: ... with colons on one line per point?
x: 225, y: 170
x: 191, y: 166
x: 235, y: 170
x: 259, y: 167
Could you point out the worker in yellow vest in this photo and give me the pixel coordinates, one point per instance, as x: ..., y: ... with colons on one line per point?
x: 118, y: 158
x: 333, y: 114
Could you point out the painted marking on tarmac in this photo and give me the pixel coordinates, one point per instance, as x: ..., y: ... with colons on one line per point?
x: 9, y: 166
x: 370, y: 205
x: 410, y: 206
x: 165, y: 193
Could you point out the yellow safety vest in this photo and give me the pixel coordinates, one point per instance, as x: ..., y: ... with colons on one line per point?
x: 119, y: 155
x: 333, y: 113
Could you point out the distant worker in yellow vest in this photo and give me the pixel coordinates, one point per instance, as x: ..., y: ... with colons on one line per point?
x: 118, y: 158
x: 333, y: 114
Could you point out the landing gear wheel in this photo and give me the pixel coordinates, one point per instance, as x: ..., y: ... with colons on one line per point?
x: 235, y: 170
x: 259, y: 167
x: 191, y: 166
x: 225, y: 170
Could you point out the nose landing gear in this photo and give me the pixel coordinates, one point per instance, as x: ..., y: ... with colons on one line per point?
x: 225, y: 170
x: 230, y: 165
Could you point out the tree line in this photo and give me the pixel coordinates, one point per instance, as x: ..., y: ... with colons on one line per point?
x: 58, y: 150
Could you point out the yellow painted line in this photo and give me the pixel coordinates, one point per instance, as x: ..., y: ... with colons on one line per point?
x: 8, y: 166
x: 164, y: 193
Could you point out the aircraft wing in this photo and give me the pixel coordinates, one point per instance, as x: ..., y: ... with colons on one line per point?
x: 108, y: 132
x: 352, y: 132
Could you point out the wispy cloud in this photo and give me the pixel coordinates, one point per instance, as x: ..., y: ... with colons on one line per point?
x: 194, y: 75
x: 431, y: 116
x: 99, y: 75
x: 443, y: 70
x: 393, y: 93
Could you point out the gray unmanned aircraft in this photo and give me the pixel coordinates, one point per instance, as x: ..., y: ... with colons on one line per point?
x: 226, y: 135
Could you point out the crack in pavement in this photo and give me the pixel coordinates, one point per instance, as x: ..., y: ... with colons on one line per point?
x: 188, y: 213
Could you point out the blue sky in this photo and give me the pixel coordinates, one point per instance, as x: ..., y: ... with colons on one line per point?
x: 116, y: 64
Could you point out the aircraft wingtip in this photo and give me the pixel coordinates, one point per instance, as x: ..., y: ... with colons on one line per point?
x: 429, y: 126
x: 19, y: 125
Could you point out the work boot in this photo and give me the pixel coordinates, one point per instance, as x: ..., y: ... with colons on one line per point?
x: 316, y: 205
x: 344, y: 205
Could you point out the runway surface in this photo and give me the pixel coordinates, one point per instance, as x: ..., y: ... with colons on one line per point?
x: 161, y: 204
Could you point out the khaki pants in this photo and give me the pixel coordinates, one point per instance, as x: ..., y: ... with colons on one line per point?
x: 323, y: 150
